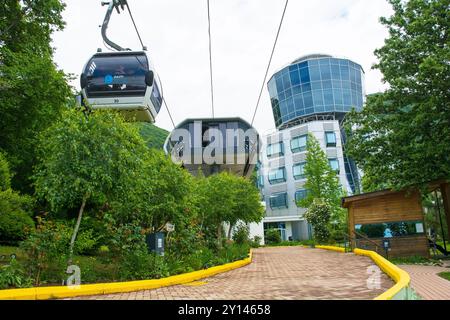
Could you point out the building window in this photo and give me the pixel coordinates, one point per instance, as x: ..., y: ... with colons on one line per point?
x: 330, y: 138
x: 275, y: 149
x: 260, y: 181
x: 334, y: 164
x: 299, y: 171
x: 298, y: 144
x: 390, y: 229
x: 300, y: 195
x: 277, y: 176
x: 278, y: 201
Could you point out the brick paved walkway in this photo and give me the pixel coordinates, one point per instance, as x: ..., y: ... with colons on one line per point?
x: 278, y: 273
x: 426, y: 283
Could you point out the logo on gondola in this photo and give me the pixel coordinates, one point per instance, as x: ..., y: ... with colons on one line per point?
x: 108, y: 79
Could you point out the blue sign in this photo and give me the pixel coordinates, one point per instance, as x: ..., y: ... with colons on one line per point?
x: 108, y: 79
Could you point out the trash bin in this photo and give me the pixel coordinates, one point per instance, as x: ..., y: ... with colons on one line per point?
x: 155, y: 243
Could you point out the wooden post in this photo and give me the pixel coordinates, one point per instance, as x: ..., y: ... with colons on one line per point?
x: 351, y: 225
x: 445, y: 192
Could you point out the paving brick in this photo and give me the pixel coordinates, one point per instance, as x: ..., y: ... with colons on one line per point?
x: 426, y: 282
x: 294, y: 273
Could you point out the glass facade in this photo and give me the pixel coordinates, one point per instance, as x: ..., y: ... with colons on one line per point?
x: 316, y: 85
x: 300, y: 195
x: 278, y: 201
x: 330, y: 139
x: 275, y: 149
x: 277, y: 176
x: 299, y: 171
x: 298, y: 144
x: 334, y: 164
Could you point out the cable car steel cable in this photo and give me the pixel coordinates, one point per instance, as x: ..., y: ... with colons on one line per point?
x: 270, y: 61
x: 123, y: 80
x: 210, y: 58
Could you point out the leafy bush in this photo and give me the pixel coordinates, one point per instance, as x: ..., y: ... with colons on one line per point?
x: 124, y: 239
x: 242, y: 234
x: 45, y: 250
x: 319, y: 214
x: 184, y: 241
x: 233, y: 252
x: 15, y: 219
x: 272, y: 236
x: 256, y: 242
x: 139, y: 264
x: 12, y: 275
x: 86, y: 241
x: 5, y: 175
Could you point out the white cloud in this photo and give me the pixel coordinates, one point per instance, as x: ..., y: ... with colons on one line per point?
x: 243, y: 31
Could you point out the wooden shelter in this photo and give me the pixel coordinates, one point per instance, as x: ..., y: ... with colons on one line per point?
x: 372, y: 215
x: 392, y: 222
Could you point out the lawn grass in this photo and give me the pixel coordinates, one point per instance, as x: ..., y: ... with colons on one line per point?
x: 445, y: 275
x: 7, y: 251
x: 413, y: 260
x: 93, y: 268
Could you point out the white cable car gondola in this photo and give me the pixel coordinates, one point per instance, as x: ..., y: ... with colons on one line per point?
x: 123, y: 80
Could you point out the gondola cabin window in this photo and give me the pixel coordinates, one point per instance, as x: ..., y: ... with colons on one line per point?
x: 117, y: 76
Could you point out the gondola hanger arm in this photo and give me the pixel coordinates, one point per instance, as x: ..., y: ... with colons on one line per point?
x: 117, y: 4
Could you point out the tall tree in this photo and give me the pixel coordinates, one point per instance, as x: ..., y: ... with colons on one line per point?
x: 247, y: 206
x: 402, y: 136
x: 164, y: 195
x: 96, y: 159
x: 324, y: 192
x: 226, y: 198
x: 216, y: 200
x: 32, y: 91
x: 322, y: 181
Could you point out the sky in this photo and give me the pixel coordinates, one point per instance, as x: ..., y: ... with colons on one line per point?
x: 243, y: 32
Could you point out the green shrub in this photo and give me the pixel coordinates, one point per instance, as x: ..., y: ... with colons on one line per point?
x: 242, y: 234
x: 319, y: 214
x: 12, y: 275
x: 184, y: 241
x: 5, y: 175
x: 272, y: 236
x: 140, y: 265
x: 256, y: 242
x: 45, y: 252
x: 86, y: 242
x: 15, y: 219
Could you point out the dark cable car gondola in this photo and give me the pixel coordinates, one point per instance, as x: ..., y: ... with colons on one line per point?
x: 124, y: 80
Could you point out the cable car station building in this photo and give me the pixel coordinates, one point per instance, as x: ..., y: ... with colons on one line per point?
x: 214, y: 145
x: 310, y: 95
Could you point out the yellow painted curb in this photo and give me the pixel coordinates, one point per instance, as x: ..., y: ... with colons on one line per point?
x: 400, y: 277
x: 43, y: 293
x: 332, y: 248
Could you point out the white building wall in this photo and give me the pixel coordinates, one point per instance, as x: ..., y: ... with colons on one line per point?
x: 294, y: 213
x: 257, y: 229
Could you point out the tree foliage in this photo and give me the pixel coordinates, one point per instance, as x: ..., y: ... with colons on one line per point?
x: 402, y: 136
x: 153, y: 136
x: 15, y: 210
x: 32, y: 91
x: 96, y: 159
x: 319, y: 214
x: 99, y: 156
x: 5, y: 174
x: 226, y: 198
x: 322, y: 182
x: 164, y: 194
x: 322, y: 185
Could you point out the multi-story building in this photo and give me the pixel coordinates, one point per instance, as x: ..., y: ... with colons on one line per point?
x: 310, y: 95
